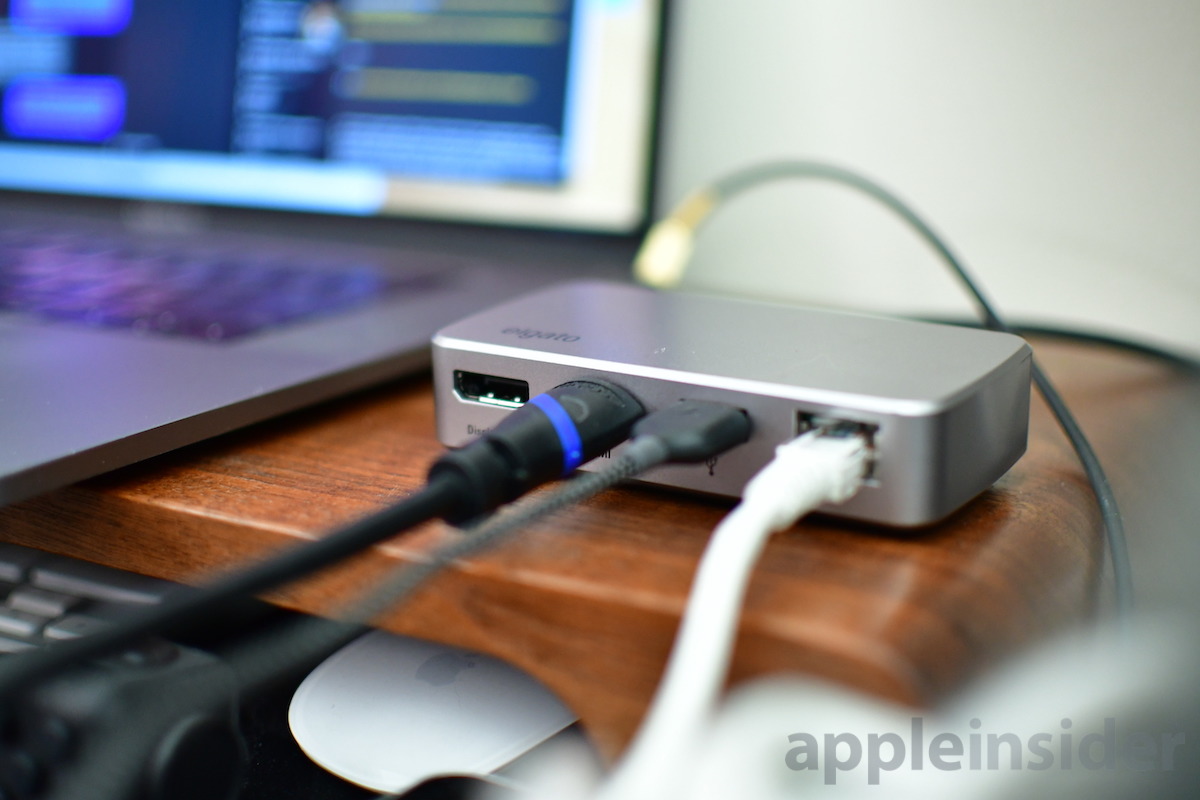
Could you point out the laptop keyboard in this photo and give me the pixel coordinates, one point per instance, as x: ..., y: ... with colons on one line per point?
x: 214, y: 296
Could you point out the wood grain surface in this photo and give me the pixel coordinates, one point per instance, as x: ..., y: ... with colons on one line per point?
x: 588, y: 601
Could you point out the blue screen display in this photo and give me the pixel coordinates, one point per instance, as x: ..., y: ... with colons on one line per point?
x: 424, y: 88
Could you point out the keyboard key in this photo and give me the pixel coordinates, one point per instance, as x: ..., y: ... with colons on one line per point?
x: 41, y: 602
x: 98, y: 582
x: 21, y: 624
x: 73, y: 626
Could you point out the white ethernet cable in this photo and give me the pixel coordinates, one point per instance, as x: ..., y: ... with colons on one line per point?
x: 823, y: 465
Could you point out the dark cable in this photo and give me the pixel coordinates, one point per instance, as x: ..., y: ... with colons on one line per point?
x: 22, y: 669
x: 685, y: 432
x: 688, y: 431
x: 525, y: 450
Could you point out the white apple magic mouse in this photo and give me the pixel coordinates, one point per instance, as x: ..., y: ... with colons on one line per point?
x: 387, y: 712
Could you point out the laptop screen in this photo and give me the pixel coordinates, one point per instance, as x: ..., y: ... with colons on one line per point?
x: 532, y: 112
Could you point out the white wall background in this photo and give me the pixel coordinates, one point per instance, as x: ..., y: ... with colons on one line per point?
x: 1056, y: 143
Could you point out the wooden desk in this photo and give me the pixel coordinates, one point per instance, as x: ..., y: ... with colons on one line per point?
x: 589, y: 600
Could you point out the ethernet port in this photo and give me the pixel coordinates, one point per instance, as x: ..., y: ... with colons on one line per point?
x: 808, y: 421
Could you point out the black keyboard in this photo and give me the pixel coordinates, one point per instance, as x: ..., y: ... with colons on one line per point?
x: 112, y: 282
x: 46, y: 598
x: 66, y: 725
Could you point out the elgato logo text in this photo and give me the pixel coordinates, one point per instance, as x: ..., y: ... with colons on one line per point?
x: 530, y: 333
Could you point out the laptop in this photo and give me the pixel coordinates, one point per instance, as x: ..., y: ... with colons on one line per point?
x: 217, y: 211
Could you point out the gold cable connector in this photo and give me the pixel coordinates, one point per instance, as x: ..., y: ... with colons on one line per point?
x: 663, y: 256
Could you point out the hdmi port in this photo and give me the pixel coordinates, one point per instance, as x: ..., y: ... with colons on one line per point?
x: 503, y: 392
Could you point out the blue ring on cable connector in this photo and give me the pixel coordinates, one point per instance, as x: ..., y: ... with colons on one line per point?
x: 564, y: 426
